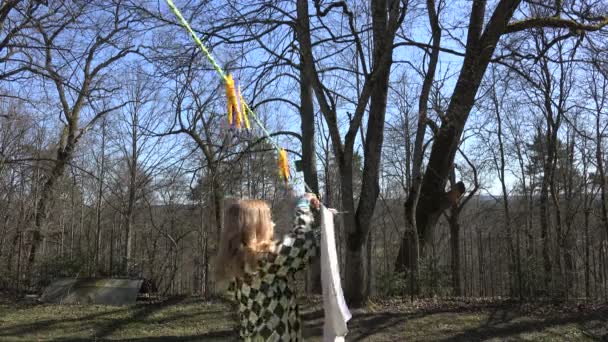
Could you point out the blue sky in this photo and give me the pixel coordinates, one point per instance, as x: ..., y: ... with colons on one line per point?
x: 281, y: 116
x: 418, y: 30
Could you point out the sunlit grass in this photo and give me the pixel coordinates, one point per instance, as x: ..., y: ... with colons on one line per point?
x: 192, y: 319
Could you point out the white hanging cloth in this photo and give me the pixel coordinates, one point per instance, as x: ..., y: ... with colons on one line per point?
x: 334, y: 305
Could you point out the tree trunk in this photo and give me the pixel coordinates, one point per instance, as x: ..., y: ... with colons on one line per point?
x: 527, y: 233
x: 587, y: 242
x: 455, y: 254
x: 133, y: 185
x: 480, y: 257
x: 402, y: 261
x: 479, y: 49
x: 599, y: 158
x: 307, y: 114
x: 385, y: 23
x: 413, y: 246
x: 493, y: 269
x: 359, y: 224
x: 64, y: 155
x: 370, y: 264
x: 205, y: 291
x: 99, y: 201
x: 127, y: 262
x: 544, y: 232
x: 354, y: 277
x: 505, y: 197
x: 218, y: 205
x: 111, y: 256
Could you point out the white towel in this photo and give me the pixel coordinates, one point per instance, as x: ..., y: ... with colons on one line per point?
x: 334, y: 305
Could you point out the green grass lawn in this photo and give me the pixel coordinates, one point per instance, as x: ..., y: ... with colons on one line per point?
x: 191, y: 319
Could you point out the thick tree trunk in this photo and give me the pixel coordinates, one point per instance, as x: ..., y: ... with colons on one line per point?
x: 481, y: 44
x: 385, y: 23
x: 358, y: 223
x: 354, y: 271
x: 441, y: 159
x: 64, y: 155
x: 307, y: 114
x: 372, y: 152
x: 404, y: 258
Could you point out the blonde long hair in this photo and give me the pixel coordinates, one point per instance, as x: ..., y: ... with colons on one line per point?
x: 247, y: 236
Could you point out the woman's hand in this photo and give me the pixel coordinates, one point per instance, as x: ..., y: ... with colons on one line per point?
x: 314, y: 201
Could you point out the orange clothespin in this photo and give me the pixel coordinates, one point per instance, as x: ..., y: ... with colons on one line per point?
x: 283, y: 165
x: 234, y: 109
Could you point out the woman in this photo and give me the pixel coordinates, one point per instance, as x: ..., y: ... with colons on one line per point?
x: 260, y: 267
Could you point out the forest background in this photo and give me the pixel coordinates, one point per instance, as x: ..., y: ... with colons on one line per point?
x: 116, y: 158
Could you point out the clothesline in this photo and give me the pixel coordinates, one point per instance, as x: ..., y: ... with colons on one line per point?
x: 283, y: 163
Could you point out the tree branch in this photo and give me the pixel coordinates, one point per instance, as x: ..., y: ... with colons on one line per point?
x: 554, y: 22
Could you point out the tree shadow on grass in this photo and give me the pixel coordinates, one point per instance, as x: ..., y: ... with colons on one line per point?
x: 592, y: 324
x: 148, y: 310
x: 139, y: 315
x: 368, y: 325
x: 223, y: 335
x: 361, y: 326
x: 503, y: 322
x: 107, y: 326
x: 47, y: 324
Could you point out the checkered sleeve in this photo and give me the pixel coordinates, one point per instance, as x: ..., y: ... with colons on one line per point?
x: 298, y: 247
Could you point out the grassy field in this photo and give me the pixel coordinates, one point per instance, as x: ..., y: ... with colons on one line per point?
x: 191, y: 319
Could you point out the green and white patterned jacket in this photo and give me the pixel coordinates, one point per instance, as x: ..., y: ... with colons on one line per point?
x: 267, y: 302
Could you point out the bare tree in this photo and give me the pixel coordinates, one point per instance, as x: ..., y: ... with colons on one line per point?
x: 498, y: 106
x: 76, y: 88
x: 482, y: 39
x: 386, y: 20
x: 141, y: 152
x: 599, y: 94
x: 17, y: 19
